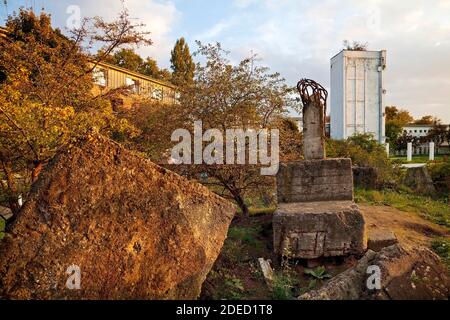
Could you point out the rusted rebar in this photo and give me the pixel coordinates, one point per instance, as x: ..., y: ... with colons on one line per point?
x: 312, y: 91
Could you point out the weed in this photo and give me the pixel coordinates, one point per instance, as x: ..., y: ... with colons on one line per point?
x: 415, y: 279
x: 442, y: 248
x: 262, y: 211
x: 319, y: 273
x: 234, y: 289
x: 311, y: 286
x: 282, y: 286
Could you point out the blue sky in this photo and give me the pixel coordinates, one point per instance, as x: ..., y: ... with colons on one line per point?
x: 298, y: 37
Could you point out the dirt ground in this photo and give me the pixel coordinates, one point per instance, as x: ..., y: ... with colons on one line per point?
x: 410, y: 229
x: 236, y: 273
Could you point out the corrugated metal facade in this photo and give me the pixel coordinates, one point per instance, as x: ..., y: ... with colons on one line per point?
x: 107, y: 76
x: 115, y: 77
x: 3, y: 32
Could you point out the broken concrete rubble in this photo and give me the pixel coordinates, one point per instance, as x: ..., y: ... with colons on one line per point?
x: 419, y: 180
x: 5, y: 213
x: 266, y: 270
x: 413, y: 274
x: 381, y: 238
x: 133, y: 230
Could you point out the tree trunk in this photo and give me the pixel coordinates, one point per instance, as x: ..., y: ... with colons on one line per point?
x: 36, y: 170
x: 241, y: 203
x: 13, y: 204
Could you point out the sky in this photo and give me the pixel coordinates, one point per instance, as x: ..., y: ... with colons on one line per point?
x: 297, y: 38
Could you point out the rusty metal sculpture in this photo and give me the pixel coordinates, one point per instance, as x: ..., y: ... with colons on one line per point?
x: 314, y: 99
x: 311, y: 91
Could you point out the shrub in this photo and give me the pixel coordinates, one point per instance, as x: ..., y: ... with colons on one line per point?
x: 440, y: 173
x: 365, y: 151
x: 283, y: 286
x: 234, y: 289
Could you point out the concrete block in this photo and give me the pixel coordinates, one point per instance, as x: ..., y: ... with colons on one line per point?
x: 316, y: 180
x: 319, y: 229
x: 381, y: 238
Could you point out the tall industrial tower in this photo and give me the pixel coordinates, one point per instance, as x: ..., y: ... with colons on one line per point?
x: 357, y: 94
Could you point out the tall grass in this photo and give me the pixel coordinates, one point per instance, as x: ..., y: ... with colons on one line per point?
x: 442, y: 248
x: 437, y: 211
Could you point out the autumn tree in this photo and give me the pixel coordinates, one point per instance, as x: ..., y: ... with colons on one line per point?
x: 402, y: 141
x: 401, y: 116
x: 291, y: 139
x: 396, y: 119
x: 156, y: 122
x: 226, y: 96
x: 438, y: 134
x: 46, y: 96
x: 127, y: 58
x: 150, y: 68
x: 182, y: 64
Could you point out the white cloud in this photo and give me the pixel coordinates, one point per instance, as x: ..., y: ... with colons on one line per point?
x: 299, y: 38
x: 243, y: 3
x: 159, y: 18
x: 215, y: 31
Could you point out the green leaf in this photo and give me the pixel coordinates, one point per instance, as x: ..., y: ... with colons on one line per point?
x: 318, y: 273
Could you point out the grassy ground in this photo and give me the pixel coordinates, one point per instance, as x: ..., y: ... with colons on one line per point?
x: 433, y: 210
x: 442, y: 247
x: 236, y: 274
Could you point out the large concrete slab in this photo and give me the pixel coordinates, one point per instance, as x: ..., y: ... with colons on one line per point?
x: 132, y: 229
x: 316, y: 180
x: 319, y: 229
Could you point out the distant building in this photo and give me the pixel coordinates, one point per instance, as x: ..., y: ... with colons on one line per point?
x: 421, y: 131
x: 357, y: 94
x: 3, y: 32
x: 107, y: 76
x: 417, y: 130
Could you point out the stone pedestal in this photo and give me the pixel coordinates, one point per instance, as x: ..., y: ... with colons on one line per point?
x: 316, y: 216
x: 319, y: 229
x: 315, y: 180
